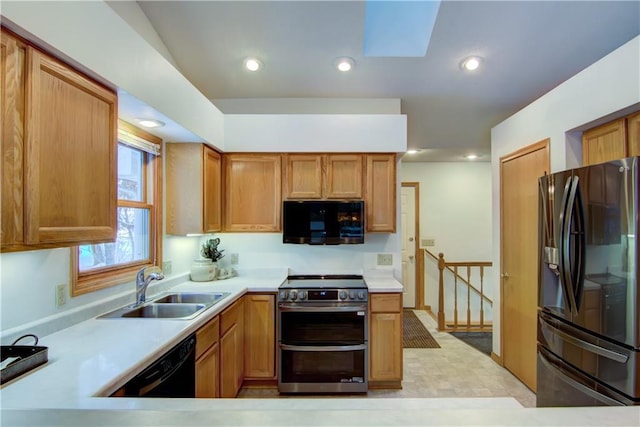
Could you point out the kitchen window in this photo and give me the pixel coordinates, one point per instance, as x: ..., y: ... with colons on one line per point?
x: 139, y: 236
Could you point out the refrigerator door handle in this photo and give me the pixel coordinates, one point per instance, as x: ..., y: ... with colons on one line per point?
x: 592, y: 348
x: 566, y: 377
x: 564, y: 265
x: 579, y: 257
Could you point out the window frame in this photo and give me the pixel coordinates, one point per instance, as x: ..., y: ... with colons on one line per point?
x: 104, y: 277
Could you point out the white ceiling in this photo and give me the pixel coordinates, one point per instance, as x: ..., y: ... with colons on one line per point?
x: 528, y: 49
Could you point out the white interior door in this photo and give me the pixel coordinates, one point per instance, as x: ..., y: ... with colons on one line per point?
x: 408, y: 224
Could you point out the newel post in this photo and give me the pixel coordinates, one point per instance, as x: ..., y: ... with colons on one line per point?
x: 441, y: 265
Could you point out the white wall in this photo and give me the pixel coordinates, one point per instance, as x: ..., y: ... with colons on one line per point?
x: 455, y: 207
x: 455, y: 210
x: 104, y: 45
x: 316, y: 132
x: 28, y: 281
x: 261, y: 250
x: 607, y: 88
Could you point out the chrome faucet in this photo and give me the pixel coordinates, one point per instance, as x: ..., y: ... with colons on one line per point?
x: 142, y: 284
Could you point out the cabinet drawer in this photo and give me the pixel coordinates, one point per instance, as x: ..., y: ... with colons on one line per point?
x: 207, y: 336
x: 230, y: 316
x: 386, y: 303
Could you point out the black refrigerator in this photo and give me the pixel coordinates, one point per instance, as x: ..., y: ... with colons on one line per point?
x: 588, y: 323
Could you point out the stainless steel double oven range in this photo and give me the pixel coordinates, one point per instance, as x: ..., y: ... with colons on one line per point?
x: 323, y: 334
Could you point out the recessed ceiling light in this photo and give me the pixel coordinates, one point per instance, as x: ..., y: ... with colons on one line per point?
x: 471, y: 156
x: 471, y: 63
x: 252, y: 64
x: 345, y: 63
x: 150, y: 123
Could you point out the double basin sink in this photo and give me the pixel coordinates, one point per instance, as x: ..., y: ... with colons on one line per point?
x: 177, y: 305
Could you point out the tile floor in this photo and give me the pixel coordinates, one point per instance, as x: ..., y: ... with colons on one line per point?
x: 454, y: 370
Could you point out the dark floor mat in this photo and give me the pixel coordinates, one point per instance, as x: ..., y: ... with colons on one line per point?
x: 414, y: 334
x: 479, y: 340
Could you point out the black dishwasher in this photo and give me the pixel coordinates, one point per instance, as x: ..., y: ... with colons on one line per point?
x: 172, y: 375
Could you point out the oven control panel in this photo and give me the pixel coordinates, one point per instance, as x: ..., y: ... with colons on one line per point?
x: 322, y: 295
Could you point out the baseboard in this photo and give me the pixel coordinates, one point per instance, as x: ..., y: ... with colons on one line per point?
x: 379, y: 385
x: 259, y: 383
x: 496, y: 358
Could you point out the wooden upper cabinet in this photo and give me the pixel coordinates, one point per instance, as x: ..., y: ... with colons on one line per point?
x: 303, y: 176
x: 194, y: 189
x: 323, y: 176
x: 12, y: 98
x: 633, y: 134
x: 604, y: 143
x: 380, y: 195
x: 343, y: 176
x: 252, y: 192
x: 68, y: 158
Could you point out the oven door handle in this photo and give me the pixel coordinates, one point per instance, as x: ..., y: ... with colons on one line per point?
x: 323, y: 347
x: 325, y: 309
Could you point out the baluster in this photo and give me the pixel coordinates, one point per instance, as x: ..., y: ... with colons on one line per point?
x: 455, y: 297
x: 468, y: 297
x: 482, y: 297
x: 441, y: 265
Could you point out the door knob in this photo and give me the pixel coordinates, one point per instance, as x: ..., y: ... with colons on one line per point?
x: 505, y: 275
x: 411, y: 239
x: 411, y: 257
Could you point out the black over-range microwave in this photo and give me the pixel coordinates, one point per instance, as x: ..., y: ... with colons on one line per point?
x: 323, y: 222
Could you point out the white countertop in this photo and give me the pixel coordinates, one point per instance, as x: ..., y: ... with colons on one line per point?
x: 95, y: 357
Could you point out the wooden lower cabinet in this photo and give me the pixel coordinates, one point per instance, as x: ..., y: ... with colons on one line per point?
x: 260, y: 337
x: 208, y: 359
x: 207, y: 377
x: 385, y: 341
x: 232, y: 349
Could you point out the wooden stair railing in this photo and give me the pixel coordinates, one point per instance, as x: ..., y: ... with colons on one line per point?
x: 454, y: 268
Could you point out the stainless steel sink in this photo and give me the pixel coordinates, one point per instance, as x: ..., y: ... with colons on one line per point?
x: 177, y: 305
x: 191, y: 298
x: 166, y: 311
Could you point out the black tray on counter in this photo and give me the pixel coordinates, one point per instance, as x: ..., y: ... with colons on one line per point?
x: 31, y: 356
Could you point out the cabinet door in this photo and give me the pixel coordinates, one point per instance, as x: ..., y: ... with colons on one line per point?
x: 194, y: 189
x: 604, y: 143
x: 633, y: 134
x: 239, y: 355
x: 212, y: 191
x: 183, y: 181
x: 380, y: 197
x: 232, y: 349
x: 385, y: 346
x: 303, y: 176
x: 12, y: 97
x: 259, y: 336
x: 207, y: 373
x: 385, y: 340
x: 252, y: 192
x: 232, y: 361
x: 71, y: 131
x: 343, y: 178
x: 228, y: 370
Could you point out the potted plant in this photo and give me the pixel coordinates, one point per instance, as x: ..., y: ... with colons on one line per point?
x: 210, y: 250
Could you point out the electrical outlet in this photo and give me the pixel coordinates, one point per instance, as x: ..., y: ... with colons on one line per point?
x: 428, y: 242
x: 61, y: 295
x: 234, y: 258
x: 166, y: 268
x: 385, y: 259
